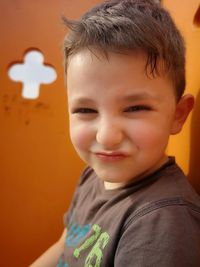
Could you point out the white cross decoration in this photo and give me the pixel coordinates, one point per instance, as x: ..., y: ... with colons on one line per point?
x: 32, y: 73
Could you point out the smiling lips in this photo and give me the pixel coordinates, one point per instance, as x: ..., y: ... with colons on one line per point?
x: 111, y: 156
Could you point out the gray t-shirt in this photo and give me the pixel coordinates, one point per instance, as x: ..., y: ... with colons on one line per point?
x: 154, y: 222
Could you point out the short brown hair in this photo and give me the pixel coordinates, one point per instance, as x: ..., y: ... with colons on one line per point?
x: 131, y: 25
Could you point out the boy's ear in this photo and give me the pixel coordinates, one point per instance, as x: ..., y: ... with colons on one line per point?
x: 183, y: 108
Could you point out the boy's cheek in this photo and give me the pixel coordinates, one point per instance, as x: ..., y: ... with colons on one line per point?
x: 150, y: 136
x: 80, y: 137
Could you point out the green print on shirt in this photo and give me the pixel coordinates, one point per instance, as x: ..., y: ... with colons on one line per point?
x: 96, y: 252
x: 90, y: 241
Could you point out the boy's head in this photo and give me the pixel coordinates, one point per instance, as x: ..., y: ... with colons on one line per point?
x: 125, y: 88
x: 132, y: 25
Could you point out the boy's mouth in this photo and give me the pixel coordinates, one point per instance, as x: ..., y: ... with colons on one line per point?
x: 111, y: 156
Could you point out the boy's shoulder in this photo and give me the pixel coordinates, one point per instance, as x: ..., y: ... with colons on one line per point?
x: 168, y: 194
x: 165, y: 216
x: 173, y: 184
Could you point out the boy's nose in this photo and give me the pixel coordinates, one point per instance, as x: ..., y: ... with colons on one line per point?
x: 109, y: 135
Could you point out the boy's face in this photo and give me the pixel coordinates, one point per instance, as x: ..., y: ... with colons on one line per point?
x: 120, y: 119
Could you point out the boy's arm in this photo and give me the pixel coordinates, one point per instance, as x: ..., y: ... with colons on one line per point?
x: 51, y: 256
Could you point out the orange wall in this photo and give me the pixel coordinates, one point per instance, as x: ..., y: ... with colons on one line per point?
x: 39, y: 168
x: 186, y: 145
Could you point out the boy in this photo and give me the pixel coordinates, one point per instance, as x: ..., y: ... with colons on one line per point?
x: 125, y: 66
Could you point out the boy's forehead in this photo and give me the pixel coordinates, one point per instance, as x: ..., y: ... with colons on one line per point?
x: 130, y: 59
x: 88, y: 59
x: 95, y: 62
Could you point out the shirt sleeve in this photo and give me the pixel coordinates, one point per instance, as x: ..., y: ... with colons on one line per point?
x: 167, y: 237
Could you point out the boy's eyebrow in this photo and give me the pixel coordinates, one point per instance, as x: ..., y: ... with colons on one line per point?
x: 82, y: 101
x: 138, y: 96
x: 126, y: 98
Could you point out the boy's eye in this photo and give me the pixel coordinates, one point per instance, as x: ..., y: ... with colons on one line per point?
x: 84, y: 111
x: 137, y: 108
